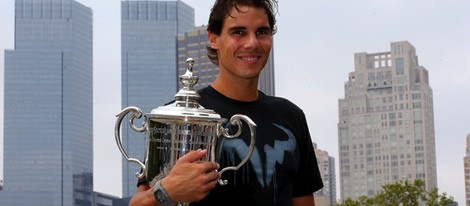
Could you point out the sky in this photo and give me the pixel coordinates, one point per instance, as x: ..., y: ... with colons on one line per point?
x: 313, y: 53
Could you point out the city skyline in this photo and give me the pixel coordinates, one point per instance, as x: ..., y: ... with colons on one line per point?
x: 313, y: 55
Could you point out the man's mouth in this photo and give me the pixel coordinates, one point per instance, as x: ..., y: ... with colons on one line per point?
x: 250, y: 58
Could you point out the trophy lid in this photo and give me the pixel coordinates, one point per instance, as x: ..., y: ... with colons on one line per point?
x: 186, y: 103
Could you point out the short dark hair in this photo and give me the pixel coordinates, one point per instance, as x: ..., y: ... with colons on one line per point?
x: 221, y: 10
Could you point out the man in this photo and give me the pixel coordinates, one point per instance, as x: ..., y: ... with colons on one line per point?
x: 282, y: 169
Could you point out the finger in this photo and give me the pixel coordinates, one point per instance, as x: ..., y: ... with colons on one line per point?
x: 193, y: 156
x: 211, y: 166
x: 211, y: 184
x: 212, y: 176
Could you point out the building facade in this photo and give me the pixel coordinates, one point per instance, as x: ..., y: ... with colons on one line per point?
x: 386, y: 123
x: 466, y: 162
x: 326, y: 164
x: 192, y: 44
x: 48, y: 125
x: 149, y: 66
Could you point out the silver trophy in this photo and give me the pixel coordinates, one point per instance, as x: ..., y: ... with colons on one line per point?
x: 175, y: 129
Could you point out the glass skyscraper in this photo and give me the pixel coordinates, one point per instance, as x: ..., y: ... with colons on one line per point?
x: 149, y: 66
x: 386, y: 123
x: 48, y: 126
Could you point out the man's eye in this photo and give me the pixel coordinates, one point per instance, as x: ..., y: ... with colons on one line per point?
x: 238, y: 32
x: 263, y: 32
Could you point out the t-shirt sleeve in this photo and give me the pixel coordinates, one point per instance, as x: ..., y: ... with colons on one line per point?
x: 308, y: 180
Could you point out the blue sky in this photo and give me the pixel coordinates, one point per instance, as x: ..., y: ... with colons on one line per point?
x: 314, y: 49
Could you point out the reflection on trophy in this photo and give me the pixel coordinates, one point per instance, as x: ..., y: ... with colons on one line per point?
x: 175, y: 129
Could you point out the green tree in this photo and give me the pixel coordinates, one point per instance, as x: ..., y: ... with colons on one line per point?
x: 365, y: 201
x: 350, y: 202
x: 434, y: 199
x: 402, y: 194
x: 361, y: 201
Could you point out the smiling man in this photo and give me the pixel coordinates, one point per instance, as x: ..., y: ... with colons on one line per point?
x: 282, y: 169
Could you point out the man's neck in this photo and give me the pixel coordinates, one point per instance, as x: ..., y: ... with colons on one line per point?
x: 241, y: 91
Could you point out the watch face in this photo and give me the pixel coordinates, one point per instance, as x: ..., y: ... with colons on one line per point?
x: 160, y: 196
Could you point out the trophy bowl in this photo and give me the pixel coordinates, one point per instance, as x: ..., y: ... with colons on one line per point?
x: 177, y: 128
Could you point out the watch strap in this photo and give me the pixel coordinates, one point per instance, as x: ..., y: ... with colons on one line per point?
x: 161, y: 195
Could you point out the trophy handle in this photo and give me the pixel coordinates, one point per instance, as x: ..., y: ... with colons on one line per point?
x: 135, y: 113
x: 236, y: 121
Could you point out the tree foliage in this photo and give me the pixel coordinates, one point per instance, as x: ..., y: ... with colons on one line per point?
x: 402, y: 194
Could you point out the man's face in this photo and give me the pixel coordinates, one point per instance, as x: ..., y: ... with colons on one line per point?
x: 244, y: 44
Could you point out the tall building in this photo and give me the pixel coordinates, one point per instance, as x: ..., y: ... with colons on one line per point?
x: 48, y: 126
x: 100, y: 199
x: 149, y: 66
x: 386, y: 123
x: 192, y: 44
x: 326, y: 164
x: 466, y: 162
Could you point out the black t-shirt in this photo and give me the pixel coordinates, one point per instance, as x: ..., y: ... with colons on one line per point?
x: 283, y: 164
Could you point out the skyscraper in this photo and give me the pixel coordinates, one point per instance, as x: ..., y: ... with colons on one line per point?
x: 466, y: 162
x: 326, y: 164
x: 48, y: 139
x: 149, y: 66
x: 386, y: 123
x: 192, y: 44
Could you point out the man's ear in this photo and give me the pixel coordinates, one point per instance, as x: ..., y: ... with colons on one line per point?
x: 213, y: 40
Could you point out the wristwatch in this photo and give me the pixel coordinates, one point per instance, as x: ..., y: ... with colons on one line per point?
x: 161, y: 195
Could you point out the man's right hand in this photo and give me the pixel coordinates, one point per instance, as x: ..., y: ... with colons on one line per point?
x: 191, y: 180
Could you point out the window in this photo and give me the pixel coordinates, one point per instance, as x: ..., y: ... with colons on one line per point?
x: 399, y: 66
x: 417, y: 76
x: 416, y: 105
x: 371, y: 76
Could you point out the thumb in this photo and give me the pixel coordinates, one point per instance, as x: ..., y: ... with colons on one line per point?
x: 193, y: 155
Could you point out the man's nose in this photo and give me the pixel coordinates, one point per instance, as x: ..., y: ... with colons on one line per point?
x: 251, y: 41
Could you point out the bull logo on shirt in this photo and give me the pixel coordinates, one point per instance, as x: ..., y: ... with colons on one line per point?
x: 274, y: 155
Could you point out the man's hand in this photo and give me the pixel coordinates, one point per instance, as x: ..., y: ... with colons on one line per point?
x: 191, y: 180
